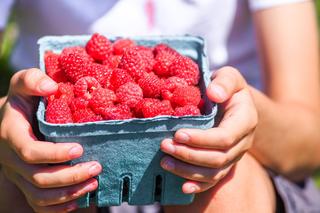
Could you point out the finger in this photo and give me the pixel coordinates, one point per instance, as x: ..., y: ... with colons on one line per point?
x: 191, y: 172
x: 191, y: 186
x: 62, y: 208
x: 240, y: 119
x: 31, y: 82
x: 226, y: 81
x: 47, y: 197
x: 28, y: 148
x: 49, y: 176
x: 206, y: 157
x: 62, y: 175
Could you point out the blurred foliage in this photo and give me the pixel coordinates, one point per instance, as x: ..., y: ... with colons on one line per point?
x: 318, y: 11
x: 7, y: 44
x: 317, y: 178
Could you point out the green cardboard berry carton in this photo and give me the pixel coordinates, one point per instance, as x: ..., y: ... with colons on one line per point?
x: 129, y: 150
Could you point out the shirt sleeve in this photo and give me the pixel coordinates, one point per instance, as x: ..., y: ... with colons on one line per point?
x: 265, y: 4
x: 5, y: 9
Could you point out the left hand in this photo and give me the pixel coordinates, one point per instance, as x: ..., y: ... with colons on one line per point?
x: 204, y: 157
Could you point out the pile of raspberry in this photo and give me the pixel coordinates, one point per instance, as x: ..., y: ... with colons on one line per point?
x: 120, y: 80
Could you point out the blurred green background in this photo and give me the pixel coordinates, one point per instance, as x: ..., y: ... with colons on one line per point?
x: 6, y: 71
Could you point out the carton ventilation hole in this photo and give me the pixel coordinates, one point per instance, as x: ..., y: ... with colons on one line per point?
x: 125, y: 189
x: 158, y: 188
x: 92, y: 197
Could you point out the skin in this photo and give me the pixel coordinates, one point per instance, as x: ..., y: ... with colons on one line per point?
x: 289, y: 115
x: 287, y: 136
x: 206, y: 158
x: 54, y: 188
x: 25, y: 160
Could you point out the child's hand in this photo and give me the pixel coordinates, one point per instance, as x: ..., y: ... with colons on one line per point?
x: 26, y: 161
x: 204, y: 157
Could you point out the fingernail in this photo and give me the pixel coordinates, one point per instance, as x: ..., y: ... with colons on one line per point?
x: 90, y: 187
x: 218, y: 91
x: 48, y: 85
x: 182, y: 137
x: 168, y: 164
x: 170, y: 148
x: 75, y: 152
x: 192, y: 189
x: 72, y: 207
x: 94, y: 169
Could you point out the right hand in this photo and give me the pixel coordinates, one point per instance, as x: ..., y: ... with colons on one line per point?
x: 27, y: 162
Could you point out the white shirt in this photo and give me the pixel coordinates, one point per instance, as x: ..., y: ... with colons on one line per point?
x: 226, y: 25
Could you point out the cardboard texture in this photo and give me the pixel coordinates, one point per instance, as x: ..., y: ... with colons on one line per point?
x: 129, y: 149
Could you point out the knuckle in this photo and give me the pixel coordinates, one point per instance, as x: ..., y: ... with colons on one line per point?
x: 234, y: 75
x: 226, y: 140
x: 16, y: 77
x: 216, y: 178
x: 26, y: 154
x: 188, y: 156
x: 39, y: 181
x: 232, y: 71
x: 30, y: 75
x: 75, y: 178
x: 54, y: 156
x: 222, y: 161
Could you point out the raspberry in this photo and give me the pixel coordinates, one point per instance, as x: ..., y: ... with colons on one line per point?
x: 99, y: 47
x: 58, y: 112
x: 166, y: 95
x: 151, y: 85
x: 112, y: 61
x: 170, y: 84
x: 164, y: 58
x: 99, y: 72
x: 85, y: 115
x: 121, y: 81
x: 101, y: 98
x: 85, y: 86
x: 141, y: 104
x: 174, y: 82
x: 118, y: 112
x: 184, y: 67
x: 79, y: 103
x: 78, y: 50
x: 186, y: 110
x: 65, y: 91
x: 147, y: 56
x: 183, y: 96
x: 129, y: 94
x: 121, y: 44
x: 161, y: 48
x: 132, y: 61
x: 53, y: 68
x: 118, y: 78
x: 74, y: 62
x: 156, y: 108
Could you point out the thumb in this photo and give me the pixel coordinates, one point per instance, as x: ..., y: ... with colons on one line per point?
x: 226, y: 82
x: 32, y: 82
